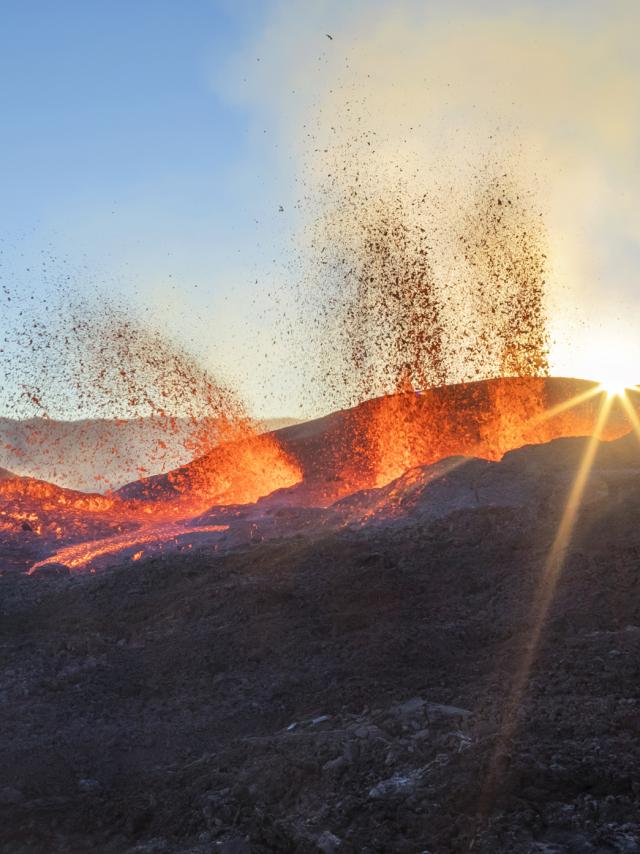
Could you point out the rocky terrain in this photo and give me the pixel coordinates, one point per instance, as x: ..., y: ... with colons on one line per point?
x: 343, y: 679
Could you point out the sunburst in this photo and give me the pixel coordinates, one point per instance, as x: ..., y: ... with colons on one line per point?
x: 550, y: 576
x: 615, y: 379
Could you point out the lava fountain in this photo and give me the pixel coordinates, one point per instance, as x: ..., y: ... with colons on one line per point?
x: 308, y: 465
x: 101, y: 359
x: 436, y: 368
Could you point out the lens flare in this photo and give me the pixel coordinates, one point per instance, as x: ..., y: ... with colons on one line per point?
x: 542, y: 602
x: 617, y: 375
x: 616, y: 386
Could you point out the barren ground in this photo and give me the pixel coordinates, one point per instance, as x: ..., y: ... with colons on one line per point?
x: 295, y: 695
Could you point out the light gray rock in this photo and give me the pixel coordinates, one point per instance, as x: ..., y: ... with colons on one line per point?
x: 411, y: 708
x: 399, y: 785
x: 436, y: 711
x: 328, y: 842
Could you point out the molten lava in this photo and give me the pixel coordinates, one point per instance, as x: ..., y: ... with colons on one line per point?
x: 85, y: 554
x: 483, y: 419
x: 374, y: 443
x: 308, y: 465
x: 77, y: 529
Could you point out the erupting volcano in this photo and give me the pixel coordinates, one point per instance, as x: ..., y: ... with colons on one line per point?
x: 423, y: 360
x: 243, y: 483
x: 319, y: 428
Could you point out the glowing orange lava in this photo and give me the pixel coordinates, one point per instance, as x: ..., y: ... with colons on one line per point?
x: 88, y: 527
x: 83, y: 554
x: 367, y: 446
x: 483, y: 419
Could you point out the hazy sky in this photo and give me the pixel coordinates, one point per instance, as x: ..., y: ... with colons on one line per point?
x: 147, y: 148
x: 123, y: 167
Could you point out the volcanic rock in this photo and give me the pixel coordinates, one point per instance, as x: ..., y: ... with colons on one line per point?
x: 399, y: 785
x: 10, y: 796
x: 438, y: 705
x: 328, y: 843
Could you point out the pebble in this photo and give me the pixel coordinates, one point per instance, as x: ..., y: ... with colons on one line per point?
x: 328, y: 842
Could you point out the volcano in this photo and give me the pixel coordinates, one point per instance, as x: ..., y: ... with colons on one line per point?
x: 427, y: 639
x: 378, y: 440
x: 268, y: 484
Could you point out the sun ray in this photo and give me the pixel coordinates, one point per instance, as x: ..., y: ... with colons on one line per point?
x: 558, y: 409
x: 631, y: 413
x: 542, y: 602
x: 566, y: 405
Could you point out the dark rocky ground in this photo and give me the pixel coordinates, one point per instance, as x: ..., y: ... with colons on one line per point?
x: 342, y: 689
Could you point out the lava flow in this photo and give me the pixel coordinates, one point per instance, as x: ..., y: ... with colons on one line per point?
x: 126, y: 546
x: 97, y: 357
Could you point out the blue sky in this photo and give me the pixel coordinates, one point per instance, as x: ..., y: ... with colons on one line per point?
x: 121, y: 162
x: 107, y: 104
x: 147, y: 146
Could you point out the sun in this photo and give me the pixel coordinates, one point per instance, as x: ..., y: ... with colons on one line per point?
x: 616, y: 369
x: 613, y: 387
x: 617, y: 382
x: 608, y: 357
